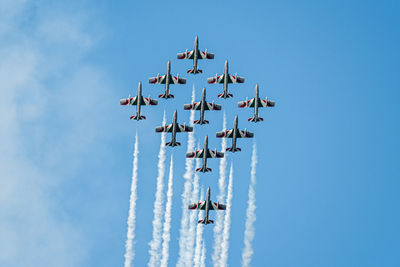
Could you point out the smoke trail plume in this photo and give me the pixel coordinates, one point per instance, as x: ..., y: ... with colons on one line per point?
x: 130, y: 235
x: 203, y: 255
x: 250, y: 213
x: 155, y: 243
x: 227, y: 222
x: 192, y: 218
x: 186, y: 193
x: 167, y: 221
x: 199, y: 236
x: 221, y: 195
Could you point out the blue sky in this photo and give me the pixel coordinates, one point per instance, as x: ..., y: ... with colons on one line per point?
x: 327, y: 174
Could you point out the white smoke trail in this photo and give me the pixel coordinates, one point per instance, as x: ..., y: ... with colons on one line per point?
x: 221, y: 195
x: 167, y: 221
x: 203, y: 255
x: 250, y: 213
x: 158, y: 210
x: 199, y: 235
x: 183, y: 234
x: 227, y: 222
x: 192, y: 218
x: 130, y: 235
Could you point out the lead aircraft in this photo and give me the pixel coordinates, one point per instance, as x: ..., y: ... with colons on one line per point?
x: 195, y: 54
x: 202, y: 106
x: 138, y: 100
x: 225, y: 79
x: 256, y: 102
x: 234, y: 134
x: 205, y: 153
x: 174, y: 128
x: 167, y: 79
x: 207, y: 205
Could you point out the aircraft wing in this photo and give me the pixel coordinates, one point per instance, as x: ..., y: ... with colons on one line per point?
x: 159, y: 79
x: 235, y: 79
x: 165, y: 128
x: 225, y: 134
x: 129, y: 101
x: 192, y: 106
x: 177, y: 80
x: 149, y: 102
x: 214, y: 154
x: 184, y: 128
x: 212, y: 106
x: 197, y: 206
x: 266, y: 103
x: 244, y: 134
x: 195, y: 154
x: 246, y: 103
x: 186, y: 55
x: 206, y: 55
x: 216, y: 79
x: 217, y: 206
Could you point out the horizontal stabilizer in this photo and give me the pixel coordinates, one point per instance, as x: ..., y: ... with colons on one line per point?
x: 135, y: 117
x: 166, y: 96
x: 201, y: 122
x: 205, y: 222
x: 203, y: 169
x: 194, y: 71
x: 223, y: 95
x: 255, y: 119
x: 173, y: 144
x: 233, y: 150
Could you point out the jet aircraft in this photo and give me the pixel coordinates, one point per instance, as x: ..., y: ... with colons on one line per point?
x: 225, y: 79
x: 195, y: 54
x: 174, y: 128
x: 202, y: 106
x: 205, y: 153
x: 256, y: 102
x: 138, y: 100
x: 167, y: 79
x: 207, y: 205
x: 234, y: 134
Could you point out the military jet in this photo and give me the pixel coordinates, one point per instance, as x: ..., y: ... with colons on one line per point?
x: 202, y: 106
x: 174, y: 128
x: 235, y: 133
x: 205, y: 153
x: 256, y: 102
x: 195, y: 54
x: 138, y: 100
x: 207, y: 205
x: 167, y: 79
x: 225, y: 79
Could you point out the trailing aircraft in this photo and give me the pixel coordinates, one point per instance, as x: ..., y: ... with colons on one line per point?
x: 207, y: 205
x: 205, y: 153
x: 167, y: 79
x: 256, y: 102
x: 234, y: 134
x: 138, y: 100
x: 174, y: 128
x: 225, y: 79
x: 202, y: 106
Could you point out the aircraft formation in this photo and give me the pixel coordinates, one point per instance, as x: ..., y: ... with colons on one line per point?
x: 202, y: 106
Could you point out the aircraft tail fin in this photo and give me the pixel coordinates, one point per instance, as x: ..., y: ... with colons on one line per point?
x: 223, y: 95
x: 233, y: 150
x: 136, y: 117
x: 166, y: 96
x: 194, y: 71
x: 255, y: 119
